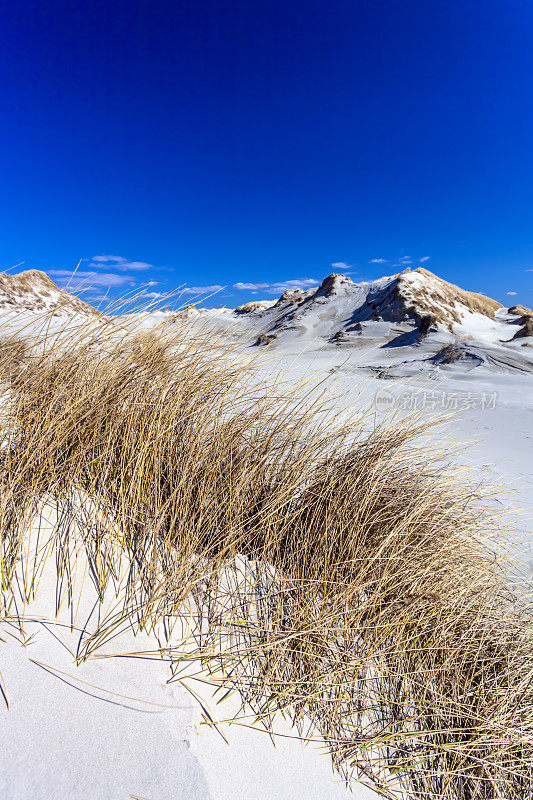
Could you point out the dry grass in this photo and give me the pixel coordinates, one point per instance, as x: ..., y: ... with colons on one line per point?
x: 449, y: 353
x: 14, y: 351
x: 338, y: 573
x: 520, y: 311
x: 527, y: 328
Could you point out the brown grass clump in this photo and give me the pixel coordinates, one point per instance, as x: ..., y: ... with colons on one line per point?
x: 13, y: 353
x: 425, y: 325
x: 521, y: 311
x: 338, y: 573
x: 527, y: 328
x: 448, y: 353
x: 265, y: 338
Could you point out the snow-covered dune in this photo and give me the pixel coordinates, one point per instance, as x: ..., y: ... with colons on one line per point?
x: 402, y: 321
x: 34, y: 292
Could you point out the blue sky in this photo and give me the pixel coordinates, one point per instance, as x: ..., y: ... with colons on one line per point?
x: 250, y: 146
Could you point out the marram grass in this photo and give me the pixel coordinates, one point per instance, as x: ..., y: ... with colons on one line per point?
x: 338, y: 573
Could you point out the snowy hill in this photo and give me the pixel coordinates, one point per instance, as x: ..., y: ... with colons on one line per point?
x: 33, y: 291
x: 412, y: 315
x: 418, y: 298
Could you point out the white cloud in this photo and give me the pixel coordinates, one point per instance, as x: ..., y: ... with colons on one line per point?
x: 201, y: 289
x: 104, y: 259
x: 150, y: 295
x: 341, y: 265
x: 406, y: 260
x: 513, y: 294
x: 278, y: 288
x: 424, y: 259
x: 378, y: 261
x: 85, y: 278
x: 117, y: 262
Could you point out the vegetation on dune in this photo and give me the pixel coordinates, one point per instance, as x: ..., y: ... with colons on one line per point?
x: 442, y: 300
x: 340, y: 573
x: 13, y: 354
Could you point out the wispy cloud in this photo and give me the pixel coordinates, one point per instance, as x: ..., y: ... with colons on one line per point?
x: 400, y: 261
x: 150, y: 296
x: 277, y: 288
x: 341, y: 265
x: 117, y: 262
x: 201, y: 289
x: 513, y: 294
x: 96, y: 298
x: 85, y: 278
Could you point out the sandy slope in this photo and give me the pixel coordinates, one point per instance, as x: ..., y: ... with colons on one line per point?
x: 114, y: 727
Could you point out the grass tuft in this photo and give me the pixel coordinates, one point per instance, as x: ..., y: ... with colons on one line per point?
x: 338, y: 572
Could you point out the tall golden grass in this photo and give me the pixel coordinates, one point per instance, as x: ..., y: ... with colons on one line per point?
x: 339, y: 573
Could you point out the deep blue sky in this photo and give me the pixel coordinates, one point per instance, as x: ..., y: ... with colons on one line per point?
x: 216, y: 143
